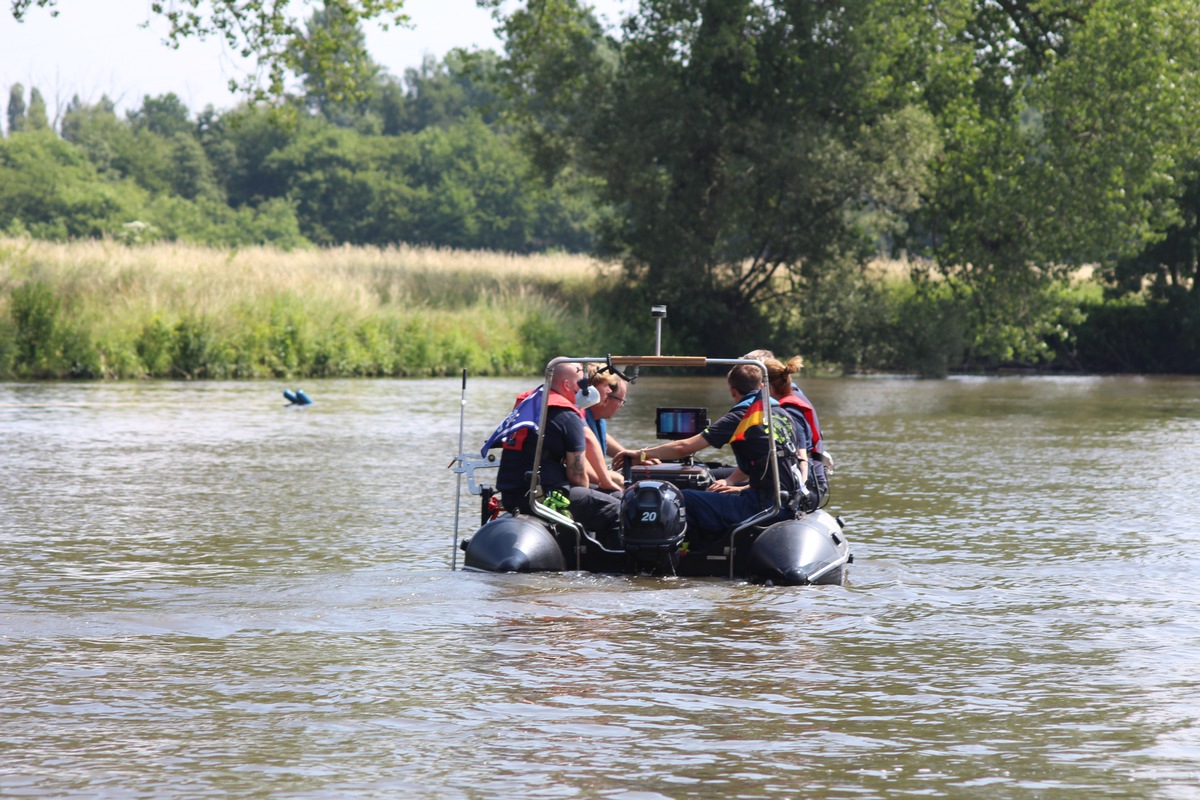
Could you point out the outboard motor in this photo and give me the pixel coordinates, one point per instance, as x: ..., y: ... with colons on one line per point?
x: 653, y: 524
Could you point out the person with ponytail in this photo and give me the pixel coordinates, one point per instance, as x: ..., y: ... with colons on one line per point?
x: 818, y: 457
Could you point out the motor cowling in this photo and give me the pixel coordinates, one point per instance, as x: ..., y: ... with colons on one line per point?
x: 653, y: 517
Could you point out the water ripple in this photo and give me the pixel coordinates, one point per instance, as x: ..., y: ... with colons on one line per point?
x: 205, y: 595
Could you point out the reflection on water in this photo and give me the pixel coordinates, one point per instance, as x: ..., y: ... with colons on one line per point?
x: 206, y: 594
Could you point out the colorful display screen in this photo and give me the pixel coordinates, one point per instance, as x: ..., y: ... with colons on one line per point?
x: 679, y: 423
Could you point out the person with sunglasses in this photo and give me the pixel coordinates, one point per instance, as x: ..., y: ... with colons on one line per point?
x: 613, y: 392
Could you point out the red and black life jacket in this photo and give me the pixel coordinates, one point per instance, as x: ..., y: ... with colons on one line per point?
x: 810, y: 416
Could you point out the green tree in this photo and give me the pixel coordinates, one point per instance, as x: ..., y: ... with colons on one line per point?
x: 442, y: 93
x: 16, y: 108
x: 1150, y: 321
x: 1121, y: 190
x: 191, y: 176
x: 744, y: 147
x: 36, y: 118
x: 1169, y: 267
x: 559, y: 72
x: 238, y: 144
x: 464, y: 186
x: 346, y: 187
x: 1065, y: 123
x: 212, y: 222
x: 48, y: 187
x: 164, y: 115
x: 389, y: 105
x: 475, y: 187
x: 218, y: 147
x: 344, y: 98
x: 118, y: 149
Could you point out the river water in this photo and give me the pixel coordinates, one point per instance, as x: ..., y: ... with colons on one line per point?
x: 204, y: 594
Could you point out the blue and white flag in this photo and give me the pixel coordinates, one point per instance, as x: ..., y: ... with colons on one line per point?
x: 522, y: 418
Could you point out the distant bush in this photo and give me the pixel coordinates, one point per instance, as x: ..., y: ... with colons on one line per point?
x: 1141, y: 335
x: 213, y: 223
x: 49, y: 190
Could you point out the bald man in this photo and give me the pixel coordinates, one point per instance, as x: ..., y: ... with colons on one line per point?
x: 564, y: 465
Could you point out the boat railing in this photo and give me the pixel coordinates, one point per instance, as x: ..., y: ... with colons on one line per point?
x: 466, y: 464
x: 558, y: 519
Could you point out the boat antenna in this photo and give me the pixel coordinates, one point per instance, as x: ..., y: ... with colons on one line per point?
x: 658, y: 312
x: 462, y: 412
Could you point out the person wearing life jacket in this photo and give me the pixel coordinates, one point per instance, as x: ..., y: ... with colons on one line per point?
x: 564, y: 466
x: 723, y: 505
x: 779, y: 376
x: 780, y: 385
x: 818, y: 457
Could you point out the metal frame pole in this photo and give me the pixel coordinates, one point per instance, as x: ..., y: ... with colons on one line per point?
x: 462, y: 414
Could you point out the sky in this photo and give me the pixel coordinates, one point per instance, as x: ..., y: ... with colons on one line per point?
x: 98, y: 47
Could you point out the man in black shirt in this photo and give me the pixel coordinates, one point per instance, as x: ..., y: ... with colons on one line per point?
x: 563, y: 467
x: 715, y: 511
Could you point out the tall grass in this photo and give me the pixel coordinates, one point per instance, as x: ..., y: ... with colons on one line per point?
x: 99, y: 309
x: 102, y: 309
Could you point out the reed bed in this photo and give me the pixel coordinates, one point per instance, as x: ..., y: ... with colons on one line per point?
x: 101, y: 309
x: 219, y: 276
x: 108, y: 310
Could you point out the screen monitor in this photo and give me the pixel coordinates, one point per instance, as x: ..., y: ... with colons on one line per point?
x: 679, y: 423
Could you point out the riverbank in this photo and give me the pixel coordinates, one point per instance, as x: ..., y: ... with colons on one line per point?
x: 99, y: 309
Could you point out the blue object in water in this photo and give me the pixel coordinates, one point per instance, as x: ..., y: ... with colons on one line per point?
x: 297, y: 398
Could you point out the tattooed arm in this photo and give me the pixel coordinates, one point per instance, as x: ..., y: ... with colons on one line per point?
x: 576, y: 466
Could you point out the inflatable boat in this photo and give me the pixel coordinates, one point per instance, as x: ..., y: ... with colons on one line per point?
x: 653, y: 537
